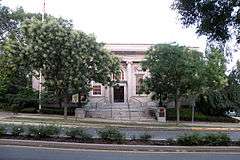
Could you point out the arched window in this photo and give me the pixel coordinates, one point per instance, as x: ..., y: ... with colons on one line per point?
x: 121, y: 77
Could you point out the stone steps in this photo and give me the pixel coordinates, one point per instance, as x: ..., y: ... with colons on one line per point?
x: 120, y: 112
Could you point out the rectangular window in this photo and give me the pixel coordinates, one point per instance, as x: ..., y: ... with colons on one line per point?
x: 139, y: 81
x: 97, y: 90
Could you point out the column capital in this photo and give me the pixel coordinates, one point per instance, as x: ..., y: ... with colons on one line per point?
x: 129, y: 62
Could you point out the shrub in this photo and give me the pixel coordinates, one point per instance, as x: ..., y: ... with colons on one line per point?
x: 2, y: 130
x: 133, y: 137
x: 238, y: 142
x: 170, y: 141
x: 212, y: 139
x: 29, y: 110
x: 220, y: 139
x: 17, y: 130
x: 57, y: 111
x: 145, y: 137
x: 186, y: 115
x: 78, y: 133
x: 111, y: 134
x: 43, y: 131
x: 190, y: 140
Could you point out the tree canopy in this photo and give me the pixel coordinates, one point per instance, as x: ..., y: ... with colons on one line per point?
x: 177, y: 72
x: 174, y: 71
x: 69, y: 59
x: 219, y: 20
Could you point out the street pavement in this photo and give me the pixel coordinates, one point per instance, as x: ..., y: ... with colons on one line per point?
x: 31, y: 153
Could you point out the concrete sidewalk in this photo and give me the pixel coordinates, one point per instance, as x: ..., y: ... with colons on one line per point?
x: 6, y: 117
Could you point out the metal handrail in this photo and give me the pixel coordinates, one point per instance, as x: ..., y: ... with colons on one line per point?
x: 104, y: 98
x: 141, y: 105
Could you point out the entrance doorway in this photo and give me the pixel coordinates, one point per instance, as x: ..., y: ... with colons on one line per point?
x: 118, y: 94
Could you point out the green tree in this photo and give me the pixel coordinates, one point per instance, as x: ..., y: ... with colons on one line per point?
x: 214, y: 101
x: 7, y: 22
x: 233, y: 88
x: 175, y: 72
x: 214, y: 71
x: 69, y: 59
x: 217, y: 19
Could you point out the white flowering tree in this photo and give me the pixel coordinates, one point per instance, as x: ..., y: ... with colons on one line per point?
x: 69, y: 59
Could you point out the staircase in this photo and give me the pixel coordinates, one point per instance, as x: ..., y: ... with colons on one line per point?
x: 133, y: 111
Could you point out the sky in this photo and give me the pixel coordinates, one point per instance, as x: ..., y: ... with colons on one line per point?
x: 121, y: 21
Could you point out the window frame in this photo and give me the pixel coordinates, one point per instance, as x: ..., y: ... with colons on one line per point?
x: 99, y: 93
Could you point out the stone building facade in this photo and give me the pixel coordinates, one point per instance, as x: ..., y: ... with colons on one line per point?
x: 124, y: 101
x: 131, y: 76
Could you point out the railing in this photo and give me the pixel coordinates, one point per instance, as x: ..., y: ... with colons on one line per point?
x: 104, y: 102
x: 139, y: 106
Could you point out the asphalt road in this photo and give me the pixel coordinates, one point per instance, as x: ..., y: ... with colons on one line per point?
x: 27, y: 153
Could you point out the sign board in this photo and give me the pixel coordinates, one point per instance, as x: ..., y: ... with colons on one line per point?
x: 75, y: 98
x: 162, y: 114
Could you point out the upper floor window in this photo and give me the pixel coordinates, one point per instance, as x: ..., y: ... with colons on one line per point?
x: 121, y: 77
x: 97, y: 90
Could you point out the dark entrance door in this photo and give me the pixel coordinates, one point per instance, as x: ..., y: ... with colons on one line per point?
x: 118, y: 94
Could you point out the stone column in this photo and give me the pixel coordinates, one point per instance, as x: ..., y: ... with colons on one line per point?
x: 129, y: 78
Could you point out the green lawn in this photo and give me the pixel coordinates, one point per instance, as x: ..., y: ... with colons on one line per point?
x: 186, y: 115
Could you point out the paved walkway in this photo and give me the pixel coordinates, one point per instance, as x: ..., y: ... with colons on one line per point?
x: 21, y: 117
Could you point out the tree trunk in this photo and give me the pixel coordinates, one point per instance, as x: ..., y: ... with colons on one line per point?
x: 65, y: 112
x: 67, y: 100
x: 177, y: 106
x: 60, y: 103
x: 79, y: 100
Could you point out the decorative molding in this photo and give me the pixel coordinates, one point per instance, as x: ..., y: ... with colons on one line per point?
x: 129, y: 62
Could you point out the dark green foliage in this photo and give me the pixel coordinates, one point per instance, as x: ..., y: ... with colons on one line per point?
x: 2, y: 130
x: 80, y: 58
x: 8, y: 22
x: 213, y: 104
x: 217, y: 102
x: 217, y: 19
x: 58, y: 111
x: 219, y: 139
x: 171, y: 141
x: 175, y: 72
x: 186, y: 115
x: 29, y: 110
x: 15, y: 88
x: 190, y: 140
x: 78, y: 133
x: 111, y: 134
x: 24, y: 98
x: 213, y: 139
x: 145, y: 137
x: 43, y: 131
x: 17, y: 130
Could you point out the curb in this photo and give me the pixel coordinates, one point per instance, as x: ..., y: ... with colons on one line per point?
x: 118, y: 147
x: 154, y: 128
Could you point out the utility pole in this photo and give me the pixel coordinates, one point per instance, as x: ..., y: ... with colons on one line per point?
x: 40, y: 71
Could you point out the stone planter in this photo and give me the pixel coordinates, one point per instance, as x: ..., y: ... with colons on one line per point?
x: 161, y: 114
x: 80, y: 113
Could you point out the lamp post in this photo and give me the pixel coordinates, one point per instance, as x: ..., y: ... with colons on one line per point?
x: 40, y: 71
